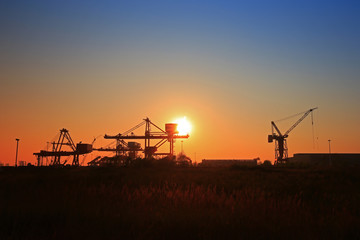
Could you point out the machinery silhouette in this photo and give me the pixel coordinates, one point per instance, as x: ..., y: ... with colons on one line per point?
x: 57, y: 152
x: 125, y: 152
x: 281, y: 149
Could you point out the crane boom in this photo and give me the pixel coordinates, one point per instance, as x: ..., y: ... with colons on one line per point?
x: 299, y: 121
x: 281, y: 150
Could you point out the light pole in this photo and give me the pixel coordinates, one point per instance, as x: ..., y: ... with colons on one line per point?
x: 17, y: 148
x: 329, y: 151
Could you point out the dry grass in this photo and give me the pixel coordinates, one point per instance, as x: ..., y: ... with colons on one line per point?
x: 157, y: 203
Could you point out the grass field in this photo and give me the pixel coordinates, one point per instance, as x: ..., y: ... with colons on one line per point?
x: 179, y: 203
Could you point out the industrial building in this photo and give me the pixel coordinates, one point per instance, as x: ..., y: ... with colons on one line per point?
x: 330, y: 159
x: 229, y: 162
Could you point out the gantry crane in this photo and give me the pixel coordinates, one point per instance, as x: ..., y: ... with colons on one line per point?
x: 169, y: 135
x: 281, y: 150
x: 57, y: 151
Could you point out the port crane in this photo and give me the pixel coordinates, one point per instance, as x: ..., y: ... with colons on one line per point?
x: 162, y: 136
x: 281, y: 150
x: 58, y: 152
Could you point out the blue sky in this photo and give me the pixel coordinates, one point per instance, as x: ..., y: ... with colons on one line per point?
x: 316, y: 36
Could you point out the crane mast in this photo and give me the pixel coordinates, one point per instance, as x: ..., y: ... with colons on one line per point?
x: 281, y: 150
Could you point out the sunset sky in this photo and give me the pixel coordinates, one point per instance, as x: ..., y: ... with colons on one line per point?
x: 230, y: 67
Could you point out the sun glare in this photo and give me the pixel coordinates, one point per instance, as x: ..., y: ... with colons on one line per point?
x: 184, y: 126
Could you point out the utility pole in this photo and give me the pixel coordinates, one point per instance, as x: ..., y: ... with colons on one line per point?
x: 182, y: 147
x: 17, y: 148
x: 330, y: 152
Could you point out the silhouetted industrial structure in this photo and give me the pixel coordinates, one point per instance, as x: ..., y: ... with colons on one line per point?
x: 57, y: 152
x: 325, y: 159
x: 281, y: 150
x: 229, y: 162
x: 169, y: 135
x: 125, y: 152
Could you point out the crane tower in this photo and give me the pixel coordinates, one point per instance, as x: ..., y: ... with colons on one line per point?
x: 281, y: 150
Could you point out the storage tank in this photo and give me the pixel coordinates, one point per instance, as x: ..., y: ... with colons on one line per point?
x: 171, y: 128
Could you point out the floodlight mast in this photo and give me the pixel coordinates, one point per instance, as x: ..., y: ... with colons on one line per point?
x: 281, y: 150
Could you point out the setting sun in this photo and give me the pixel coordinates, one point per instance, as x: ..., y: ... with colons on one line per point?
x: 184, y: 126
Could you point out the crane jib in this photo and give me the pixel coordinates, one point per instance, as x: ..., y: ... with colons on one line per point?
x: 281, y: 151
